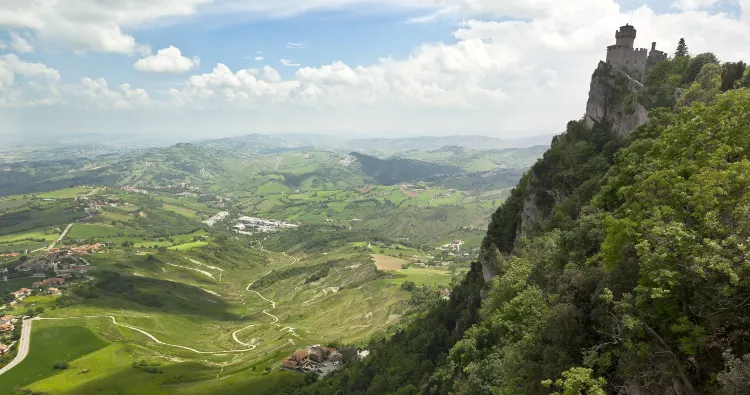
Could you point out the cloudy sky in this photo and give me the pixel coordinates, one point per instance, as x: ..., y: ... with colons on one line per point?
x: 210, y: 68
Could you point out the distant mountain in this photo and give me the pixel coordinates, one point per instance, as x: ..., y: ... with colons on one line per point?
x: 433, y: 143
x: 393, y: 171
x: 269, y: 144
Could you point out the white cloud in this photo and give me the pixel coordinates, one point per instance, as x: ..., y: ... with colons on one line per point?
x: 289, y: 63
x: 297, y: 45
x: 167, y: 60
x: 27, y: 84
x: 514, y: 66
x: 20, y: 44
x: 259, y: 58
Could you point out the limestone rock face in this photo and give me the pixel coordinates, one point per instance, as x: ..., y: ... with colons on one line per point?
x: 608, y: 101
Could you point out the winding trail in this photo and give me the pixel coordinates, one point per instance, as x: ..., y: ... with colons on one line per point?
x: 152, y: 337
x: 234, y: 336
x: 203, y: 272
x: 273, y: 303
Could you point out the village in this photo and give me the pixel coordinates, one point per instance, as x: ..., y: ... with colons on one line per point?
x: 321, y: 360
x: 60, y: 266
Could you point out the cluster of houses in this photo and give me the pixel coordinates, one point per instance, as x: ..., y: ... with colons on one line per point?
x: 314, y: 358
x: 50, y: 285
x: 6, y: 326
x: 60, y: 261
x: 454, y: 245
x: 135, y: 190
x: 320, y: 359
x: 261, y: 225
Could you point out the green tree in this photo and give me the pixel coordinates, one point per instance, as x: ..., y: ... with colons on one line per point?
x: 731, y: 75
x: 578, y: 381
x: 696, y: 64
x: 682, y: 48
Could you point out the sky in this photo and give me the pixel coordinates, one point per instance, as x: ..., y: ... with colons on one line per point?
x: 189, y: 69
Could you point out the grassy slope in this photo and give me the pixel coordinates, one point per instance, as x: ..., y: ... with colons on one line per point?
x: 51, y: 342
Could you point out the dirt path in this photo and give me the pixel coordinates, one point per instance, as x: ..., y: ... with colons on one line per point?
x: 273, y: 304
x: 234, y: 336
x: 209, y: 274
x: 152, y: 337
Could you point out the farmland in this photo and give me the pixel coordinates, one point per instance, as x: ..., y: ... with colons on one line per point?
x: 388, y: 263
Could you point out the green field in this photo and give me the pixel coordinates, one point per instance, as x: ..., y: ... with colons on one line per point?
x: 422, y: 276
x: 68, y: 193
x: 86, y: 231
x: 182, y: 211
x: 17, y: 283
x: 36, y: 234
x: 51, y: 342
x: 189, y: 246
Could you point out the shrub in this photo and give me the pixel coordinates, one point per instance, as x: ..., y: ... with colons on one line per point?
x: 61, y: 365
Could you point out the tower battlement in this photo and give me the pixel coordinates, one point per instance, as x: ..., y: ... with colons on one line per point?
x: 624, y: 56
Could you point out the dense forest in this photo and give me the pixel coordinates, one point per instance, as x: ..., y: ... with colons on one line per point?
x: 635, y: 279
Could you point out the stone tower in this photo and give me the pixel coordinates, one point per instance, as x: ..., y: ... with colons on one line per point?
x: 625, y: 36
x: 625, y: 56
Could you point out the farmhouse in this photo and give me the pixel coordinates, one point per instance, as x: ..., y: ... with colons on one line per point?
x: 315, y: 358
x: 6, y: 327
x: 22, y: 292
x: 4, y: 349
x: 6, y: 319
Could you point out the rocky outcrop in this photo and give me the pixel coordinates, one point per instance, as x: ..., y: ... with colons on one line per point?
x: 490, y: 261
x: 613, y: 99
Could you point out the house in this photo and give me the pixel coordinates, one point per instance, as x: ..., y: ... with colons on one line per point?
x: 318, y: 354
x: 289, y: 363
x: 6, y: 319
x: 6, y: 327
x: 22, y: 292
x: 300, y: 355
x: 4, y: 349
x: 53, y: 291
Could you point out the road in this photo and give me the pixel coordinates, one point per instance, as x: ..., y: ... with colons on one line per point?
x: 67, y: 228
x: 23, y: 347
x: 62, y: 236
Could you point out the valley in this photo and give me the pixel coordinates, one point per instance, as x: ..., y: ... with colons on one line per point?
x: 198, y: 269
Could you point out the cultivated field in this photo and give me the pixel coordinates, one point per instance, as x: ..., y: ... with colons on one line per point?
x: 388, y: 263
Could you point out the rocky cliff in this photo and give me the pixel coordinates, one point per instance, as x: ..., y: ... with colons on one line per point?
x: 565, y: 172
x: 613, y: 99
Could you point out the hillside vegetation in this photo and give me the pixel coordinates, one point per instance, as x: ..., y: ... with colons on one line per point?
x: 617, y: 266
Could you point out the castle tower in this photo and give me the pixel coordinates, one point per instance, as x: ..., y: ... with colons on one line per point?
x: 625, y: 36
x: 623, y: 55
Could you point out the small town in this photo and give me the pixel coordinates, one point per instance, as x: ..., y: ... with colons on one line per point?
x: 261, y: 225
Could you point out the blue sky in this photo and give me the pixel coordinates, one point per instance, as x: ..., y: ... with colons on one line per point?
x: 478, y: 66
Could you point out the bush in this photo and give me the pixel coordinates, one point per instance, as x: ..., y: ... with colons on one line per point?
x: 61, y: 365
